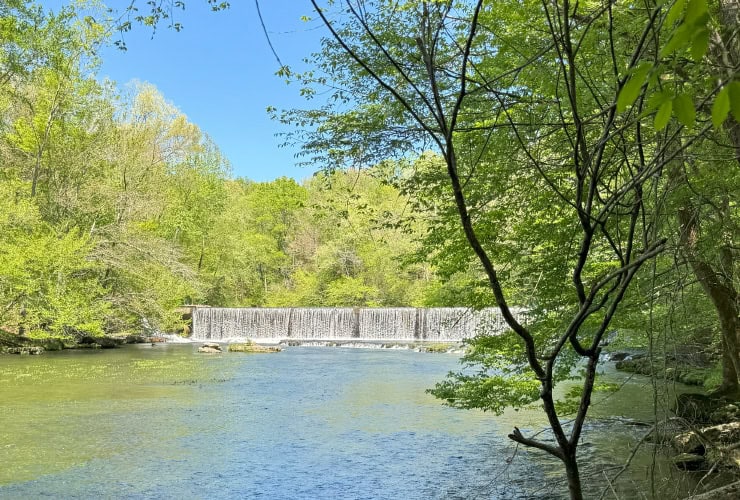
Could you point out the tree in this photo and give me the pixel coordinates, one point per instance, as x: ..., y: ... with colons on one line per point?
x: 708, y: 212
x: 539, y: 164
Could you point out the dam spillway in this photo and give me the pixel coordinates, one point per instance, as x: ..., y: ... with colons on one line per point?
x: 394, y: 324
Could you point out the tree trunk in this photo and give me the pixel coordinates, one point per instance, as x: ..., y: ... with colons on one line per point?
x: 720, y: 289
x: 719, y: 285
x: 574, y: 477
x: 202, y: 253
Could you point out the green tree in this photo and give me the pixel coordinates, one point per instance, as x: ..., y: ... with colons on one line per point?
x: 538, y: 166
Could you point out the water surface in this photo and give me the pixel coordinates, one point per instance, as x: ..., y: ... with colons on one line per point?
x: 166, y: 422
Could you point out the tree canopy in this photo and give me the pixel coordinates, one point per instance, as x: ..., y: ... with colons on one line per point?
x: 576, y: 159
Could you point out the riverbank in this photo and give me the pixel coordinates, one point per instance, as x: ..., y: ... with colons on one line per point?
x: 690, y: 367
x: 703, y: 433
x: 17, y: 344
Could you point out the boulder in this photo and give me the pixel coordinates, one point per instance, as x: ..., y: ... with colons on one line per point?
x: 210, y: 348
x: 724, y: 433
x: 719, y: 444
x: 725, y: 414
x: 726, y: 457
x: 688, y: 442
x: 252, y: 347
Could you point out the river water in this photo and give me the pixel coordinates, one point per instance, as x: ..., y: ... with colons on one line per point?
x: 307, y: 423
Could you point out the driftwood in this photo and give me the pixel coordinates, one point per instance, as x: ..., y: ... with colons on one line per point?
x: 728, y: 492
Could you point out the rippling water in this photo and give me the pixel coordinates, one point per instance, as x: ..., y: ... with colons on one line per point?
x: 307, y: 423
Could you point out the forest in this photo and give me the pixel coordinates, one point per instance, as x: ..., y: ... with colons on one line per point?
x: 117, y: 209
x: 580, y: 160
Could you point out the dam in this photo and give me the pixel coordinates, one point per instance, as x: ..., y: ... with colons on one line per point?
x: 388, y: 324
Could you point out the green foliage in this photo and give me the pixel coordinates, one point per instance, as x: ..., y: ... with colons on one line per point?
x: 116, y: 209
x: 489, y: 392
x: 681, y: 81
x: 494, y: 376
x: 46, y: 282
x: 641, y: 94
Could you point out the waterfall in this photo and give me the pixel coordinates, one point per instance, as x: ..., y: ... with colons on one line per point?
x: 325, y: 323
x: 399, y: 324
x: 388, y: 323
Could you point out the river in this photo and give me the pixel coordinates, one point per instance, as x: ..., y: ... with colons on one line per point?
x: 307, y: 423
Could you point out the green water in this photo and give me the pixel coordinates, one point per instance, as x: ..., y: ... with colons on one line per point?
x: 166, y: 422
x: 61, y: 409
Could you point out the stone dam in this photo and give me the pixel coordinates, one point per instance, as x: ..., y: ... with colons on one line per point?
x: 390, y: 324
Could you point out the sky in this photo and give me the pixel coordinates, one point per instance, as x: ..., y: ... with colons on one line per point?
x: 220, y: 72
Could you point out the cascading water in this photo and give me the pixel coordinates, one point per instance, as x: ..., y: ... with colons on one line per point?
x: 323, y: 323
x: 394, y: 324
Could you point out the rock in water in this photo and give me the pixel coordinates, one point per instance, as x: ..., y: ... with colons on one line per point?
x: 252, y: 347
x: 210, y: 348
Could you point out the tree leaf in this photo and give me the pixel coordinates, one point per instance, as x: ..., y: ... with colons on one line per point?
x: 700, y: 44
x: 695, y: 10
x: 675, y: 12
x: 631, y: 89
x: 677, y: 40
x: 683, y: 105
x: 663, y: 115
x: 656, y: 99
x: 734, y: 94
x: 721, y: 107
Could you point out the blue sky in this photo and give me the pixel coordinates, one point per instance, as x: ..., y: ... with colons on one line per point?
x: 220, y: 72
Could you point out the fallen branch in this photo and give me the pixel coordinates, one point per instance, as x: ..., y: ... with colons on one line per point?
x: 729, y: 492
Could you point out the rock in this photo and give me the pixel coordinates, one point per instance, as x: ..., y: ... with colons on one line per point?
x: 210, y: 348
x: 688, y: 442
x: 102, y: 342
x: 50, y: 344
x: 726, y: 457
x: 24, y: 350
x: 688, y: 461
x: 724, y: 433
x: 252, y: 347
x: 618, y: 356
x: 725, y: 414
x: 136, y: 339
x: 719, y: 444
x: 634, y: 364
x: 436, y: 347
x: 106, y: 342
